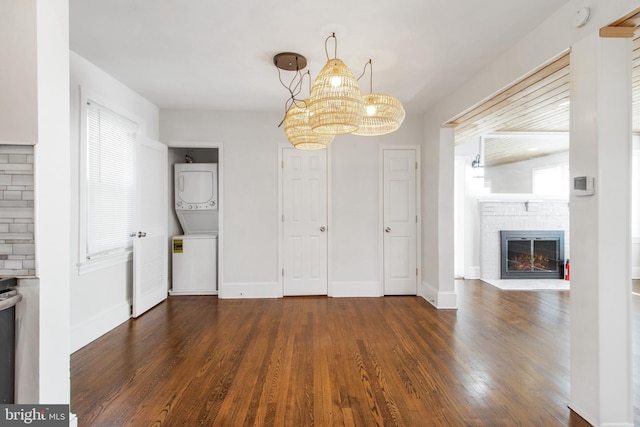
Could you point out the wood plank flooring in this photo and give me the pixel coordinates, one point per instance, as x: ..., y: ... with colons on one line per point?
x: 501, y: 359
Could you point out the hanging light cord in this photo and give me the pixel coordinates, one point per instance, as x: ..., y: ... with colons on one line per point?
x: 335, y: 47
x: 364, y: 70
x: 294, y: 91
x: 295, y: 85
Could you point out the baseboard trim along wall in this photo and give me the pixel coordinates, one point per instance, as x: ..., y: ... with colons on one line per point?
x: 473, y: 272
x: 582, y: 414
x: 99, y: 325
x: 440, y: 300
x: 429, y: 293
x: 274, y: 290
x: 250, y: 290
x: 447, y: 300
x: 355, y: 289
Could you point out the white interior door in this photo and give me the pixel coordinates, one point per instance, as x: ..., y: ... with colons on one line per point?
x: 400, y: 222
x: 304, y: 198
x: 150, y: 244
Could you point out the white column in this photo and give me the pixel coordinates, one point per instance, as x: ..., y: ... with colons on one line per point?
x: 447, y: 297
x: 52, y: 199
x: 601, y: 353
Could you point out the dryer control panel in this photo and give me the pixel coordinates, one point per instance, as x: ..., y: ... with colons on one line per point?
x: 184, y: 206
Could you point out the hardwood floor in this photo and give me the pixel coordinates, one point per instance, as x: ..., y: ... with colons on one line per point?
x: 501, y: 359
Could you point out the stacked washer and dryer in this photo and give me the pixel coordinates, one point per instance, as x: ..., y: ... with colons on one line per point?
x: 194, y: 254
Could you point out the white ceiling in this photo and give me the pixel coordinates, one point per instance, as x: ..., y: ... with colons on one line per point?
x: 218, y: 54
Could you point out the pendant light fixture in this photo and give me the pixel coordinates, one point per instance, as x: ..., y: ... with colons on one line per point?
x: 336, y: 104
x: 298, y: 130
x: 296, y: 120
x: 382, y: 114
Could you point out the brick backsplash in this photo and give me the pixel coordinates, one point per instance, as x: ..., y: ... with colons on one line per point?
x: 508, y: 215
x: 17, y: 246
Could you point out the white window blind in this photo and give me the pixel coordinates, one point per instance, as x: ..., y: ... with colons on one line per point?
x: 110, y: 174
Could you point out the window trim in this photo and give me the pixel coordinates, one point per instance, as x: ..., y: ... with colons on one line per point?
x: 116, y: 257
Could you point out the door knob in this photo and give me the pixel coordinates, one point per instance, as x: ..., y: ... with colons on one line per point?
x: 138, y: 234
x: 322, y: 228
x: 387, y: 230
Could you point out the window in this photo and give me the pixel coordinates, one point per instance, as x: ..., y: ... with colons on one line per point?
x: 107, y: 182
x: 552, y: 180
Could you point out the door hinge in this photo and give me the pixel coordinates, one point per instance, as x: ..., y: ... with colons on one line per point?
x: 283, y: 272
x: 282, y: 217
x: 282, y: 164
x: 416, y: 219
x: 416, y: 165
x: 416, y: 272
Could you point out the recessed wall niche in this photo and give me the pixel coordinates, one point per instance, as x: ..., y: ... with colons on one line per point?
x: 17, y: 244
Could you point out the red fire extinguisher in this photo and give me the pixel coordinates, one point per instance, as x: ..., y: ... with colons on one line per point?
x: 567, y: 270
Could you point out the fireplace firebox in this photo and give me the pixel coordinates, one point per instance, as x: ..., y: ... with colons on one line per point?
x: 532, y: 254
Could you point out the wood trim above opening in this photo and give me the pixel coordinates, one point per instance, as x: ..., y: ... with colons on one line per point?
x: 617, y: 32
x: 624, y: 27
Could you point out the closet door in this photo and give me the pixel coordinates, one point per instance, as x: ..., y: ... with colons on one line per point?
x: 400, y: 222
x: 304, y: 199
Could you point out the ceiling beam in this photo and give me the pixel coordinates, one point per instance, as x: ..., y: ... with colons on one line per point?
x: 617, y: 32
x: 624, y: 27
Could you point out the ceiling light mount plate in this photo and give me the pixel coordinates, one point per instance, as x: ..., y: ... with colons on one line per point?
x: 290, y: 61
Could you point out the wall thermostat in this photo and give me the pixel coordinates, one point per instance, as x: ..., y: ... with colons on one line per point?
x: 583, y: 185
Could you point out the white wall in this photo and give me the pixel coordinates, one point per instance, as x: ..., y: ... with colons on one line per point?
x: 518, y: 177
x: 18, y: 85
x: 100, y: 300
x: 250, y: 159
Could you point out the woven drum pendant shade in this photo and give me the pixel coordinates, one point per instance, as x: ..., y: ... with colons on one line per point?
x: 298, y: 131
x: 336, y: 103
x: 382, y: 114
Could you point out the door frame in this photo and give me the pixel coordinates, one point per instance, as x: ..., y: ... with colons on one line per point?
x: 221, y: 205
x: 382, y: 149
x: 281, y: 148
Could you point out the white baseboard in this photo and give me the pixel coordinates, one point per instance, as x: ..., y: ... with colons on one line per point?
x: 98, y: 325
x: 274, y: 290
x: 583, y: 414
x: 439, y: 299
x: 355, y: 289
x: 593, y: 421
x: 472, y: 273
x: 428, y: 293
x: 73, y: 420
x: 178, y: 293
x: 250, y: 290
x: 448, y: 300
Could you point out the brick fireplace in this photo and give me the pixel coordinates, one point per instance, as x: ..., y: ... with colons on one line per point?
x: 515, y: 214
